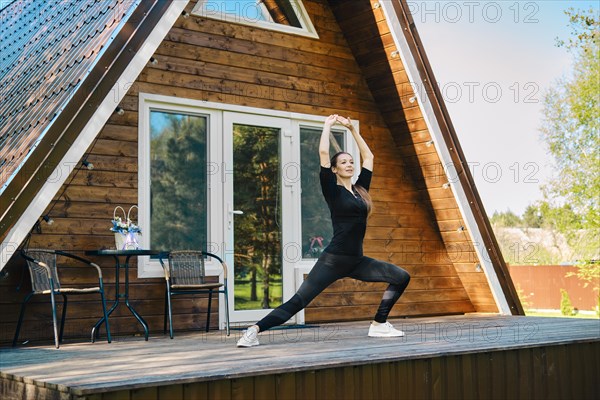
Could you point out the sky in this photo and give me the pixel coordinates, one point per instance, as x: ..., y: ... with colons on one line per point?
x: 493, y: 61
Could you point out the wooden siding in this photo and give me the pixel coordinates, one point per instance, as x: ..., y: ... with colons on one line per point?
x: 212, y: 60
x: 369, y: 37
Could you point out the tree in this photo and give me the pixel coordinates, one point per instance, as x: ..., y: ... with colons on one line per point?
x: 572, y: 120
x: 257, y: 182
x: 505, y: 219
x: 571, y: 131
x: 532, y: 217
x: 563, y: 221
x: 566, y: 308
x: 178, y: 182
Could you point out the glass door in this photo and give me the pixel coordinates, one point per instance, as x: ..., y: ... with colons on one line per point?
x: 257, y: 201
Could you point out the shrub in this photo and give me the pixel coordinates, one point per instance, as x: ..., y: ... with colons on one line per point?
x: 566, y: 308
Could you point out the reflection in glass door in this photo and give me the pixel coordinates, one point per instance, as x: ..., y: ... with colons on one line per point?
x: 257, y: 200
x: 257, y: 229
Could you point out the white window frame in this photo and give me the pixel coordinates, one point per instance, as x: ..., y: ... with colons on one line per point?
x: 307, y: 29
x: 151, y: 268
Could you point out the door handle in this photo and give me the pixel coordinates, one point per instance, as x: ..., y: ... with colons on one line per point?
x: 231, y: 213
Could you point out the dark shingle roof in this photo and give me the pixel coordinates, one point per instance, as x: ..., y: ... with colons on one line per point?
x: 47, y: 48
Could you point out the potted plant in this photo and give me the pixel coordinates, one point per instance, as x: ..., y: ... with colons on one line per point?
x: 126, y: 231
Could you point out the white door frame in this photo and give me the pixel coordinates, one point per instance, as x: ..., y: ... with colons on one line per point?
x: 287, y: 205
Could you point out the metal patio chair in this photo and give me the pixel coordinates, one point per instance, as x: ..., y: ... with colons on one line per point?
x: 185, y: 273
x: 43, y: 270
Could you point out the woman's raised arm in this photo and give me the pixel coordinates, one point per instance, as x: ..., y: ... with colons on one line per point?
x: 324, y: 143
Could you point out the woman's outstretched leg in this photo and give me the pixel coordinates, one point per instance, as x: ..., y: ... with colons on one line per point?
x: 323, y: 274
x: 371, y: 270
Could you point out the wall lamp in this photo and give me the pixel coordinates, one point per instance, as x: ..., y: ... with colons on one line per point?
x: 87, y: 164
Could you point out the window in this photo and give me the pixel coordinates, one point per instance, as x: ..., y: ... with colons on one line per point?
x: 316, y: 220
x: 283, y: 15
x: 178, y: 181
x: 176, y: 170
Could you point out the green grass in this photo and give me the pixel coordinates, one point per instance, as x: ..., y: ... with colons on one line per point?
x: 557, y: 314
x: 242, y: 295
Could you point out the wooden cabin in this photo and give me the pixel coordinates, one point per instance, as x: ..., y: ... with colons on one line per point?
x: 197, y: 111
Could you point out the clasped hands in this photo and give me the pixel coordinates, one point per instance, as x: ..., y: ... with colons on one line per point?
x: 336, y: 119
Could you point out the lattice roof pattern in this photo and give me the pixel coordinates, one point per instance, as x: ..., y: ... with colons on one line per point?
x: 46, y: 50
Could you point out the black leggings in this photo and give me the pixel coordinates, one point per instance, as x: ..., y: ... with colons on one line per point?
x: 331, y: 267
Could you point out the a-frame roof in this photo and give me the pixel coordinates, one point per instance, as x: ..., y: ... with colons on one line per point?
x: 48, y: 49
x: 65, y: 67
x: 60, y: 99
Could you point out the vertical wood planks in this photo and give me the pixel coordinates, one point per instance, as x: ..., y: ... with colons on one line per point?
x: 512, y: 374
x: 588, y: 370
x: 421, y: 378
x: 451, y: 374
x: 350, y: 384
x: 149, y: 393
x: 195, y: 391
x: 118, y: 395
x: 553, y: 369
x: 219, y: 389
x: 365, y: 379
x: 404, y: 378
x: 498, y: 375
x: 483, y: 376
x: 286, y: 386
x: 305, y: 385
x: 538, y: 363
x: 469, y: 374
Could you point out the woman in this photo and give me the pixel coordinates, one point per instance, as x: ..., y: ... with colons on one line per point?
x: 343, y: 257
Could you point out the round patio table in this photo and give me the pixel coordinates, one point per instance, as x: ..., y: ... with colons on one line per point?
x: 121, y: 262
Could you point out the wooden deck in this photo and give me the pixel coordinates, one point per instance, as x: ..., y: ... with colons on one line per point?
x: 471, y: 356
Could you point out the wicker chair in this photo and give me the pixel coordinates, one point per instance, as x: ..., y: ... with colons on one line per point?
x: 43, y: 270
x: 185, y: 274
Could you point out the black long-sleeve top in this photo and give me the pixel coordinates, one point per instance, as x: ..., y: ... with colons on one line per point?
x: 348, y: 213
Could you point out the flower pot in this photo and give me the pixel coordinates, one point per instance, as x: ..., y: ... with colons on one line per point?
x: 126, y: 232
x: 127, y: 240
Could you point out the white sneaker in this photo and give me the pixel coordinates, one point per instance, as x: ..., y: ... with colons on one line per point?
x: 384, y: 330
x: 249, y: 338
